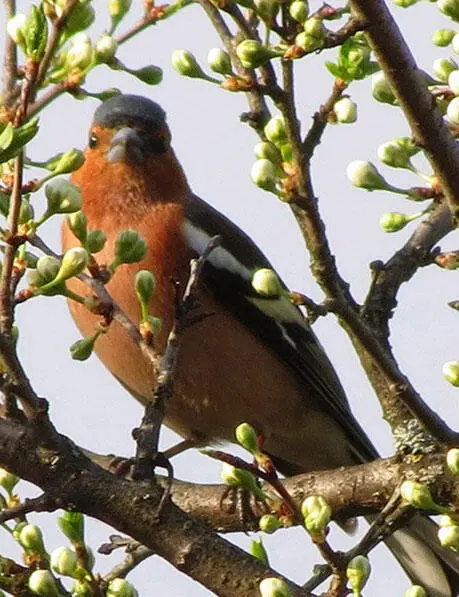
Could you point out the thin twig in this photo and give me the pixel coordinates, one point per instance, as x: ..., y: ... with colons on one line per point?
x: 10, y: 66
x: 131, y: 561
x: 42, y: 503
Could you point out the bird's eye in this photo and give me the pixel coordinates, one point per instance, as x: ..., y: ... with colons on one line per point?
x: 93, y: 140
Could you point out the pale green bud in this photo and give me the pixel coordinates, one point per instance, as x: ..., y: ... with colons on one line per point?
x: 81, y: 588
x: 73, y: 263
x: 392, y: 154
x: 269, y: 523
x: 357, y: 572
x: 186, y: 64
x: 48, y: 267
x: 452, y: 460
x: 267, y: 151
x: 415, y: 591
x: 72, y: 525
x: 264, y: 175
x: 266, y: 282
x: 219, y: 61
x: 95, y: 241
x: 443, y: 37
x: 150, y: 74
x: 42, y: 582
x: 80, y: 18
x: 407, y: 145
x: 307, y: 42
x: 80, y: 53
x: 451, y: 372
x: 129, y: 247
x: 82, y: 349
x: 26, y: 212
x: 77, y: 223
x: 405, y: 3
x: 276, y: 132
x: 145, y: 286
x: 452, y: 111
x: 105, y: 48
x: 246, y: 436
x: 15, y: 28
x: 118, y: 9
x: 442, y: 67
x: 68, y: 162
x: 365, y: 176
x: 252, y: 54
x: 31, y: 539
x: 345, y: 110
x: 267, y: 9
x: 299, y: 10
x: 64, y: 561
x: 455, y: 43
x: 453, y: 81
x: 316, y: 512
x: 119, y: 587
x: 257, y: 549
x: 393, y: 221
x: 450, y: 8
x: 62, y: 196
x: 315, y: 28
x: 448, y: 536
x: 417, y: 495
x: 381, y: 89
x: 274, y: 587
x: 236, y: 477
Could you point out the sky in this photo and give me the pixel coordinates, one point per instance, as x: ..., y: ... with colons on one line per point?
x: 216, y: 150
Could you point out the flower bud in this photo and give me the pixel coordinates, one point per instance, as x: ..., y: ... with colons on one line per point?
x: 393, y: 221
x: 443, y: 37
x: 381, y: 90
x: 95, y: 241
x: 219, y: 61
x: 392, y: 154
x: 118, y: 9
x: 31, y: 539
x: 315, y: 28
x: 236, y: 477
x: 357, y: 572
x: 77, y: 222
x: 317, y: 514
x: 145, y: 285
x: 451, y: 372
x: 64, y: 561
x: 80, y: 18
x: 26, y: 212
x: 455, y: 43
x: 82, y: 349
x: 345, y: 110
x: 246, y: 436
x: 8, y: 481
x: 299, y: 10
x: 266, y: 9
x: 119, y: 587
x: 453, y: 81
x: 365, y: 176
x: 452, y: 460
x: 42, y: 582
x: 80, y: 53
x: 63, y: 197
x: 186, y: 64
x: 442, y: 67
x: 257, y: 549
x: 129, y: 247
x: 150, y: 74
x: 81, y: 588
x: 266, y: 283
x: 264, y: 175
x: 15, y: 28
x: 68, y: 162
x: 269, y: 523
x: 452, y: 111
x: 450, y: 8
x: 47, y: 268
x: 72, y: 525
x: 417, y: 495
x: 252, y: 54
x: 415, y: 591
x: 105, y: 48
x: 405, y: 3
x: 448, y: 536
x: 73, y: 263
x: 267, y: 151
x: 275, y: 131
x: 274, y: 587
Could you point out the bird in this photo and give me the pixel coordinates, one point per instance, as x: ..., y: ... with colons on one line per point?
x: 254, y: 358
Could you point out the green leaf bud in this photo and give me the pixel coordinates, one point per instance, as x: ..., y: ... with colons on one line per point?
x: 381, y: 90
x: 77, y: 222
x: 47, y: 268
x: 246, y: 436
x: 236, y: 477
x: 119, y: 587
x: 151, y: 75
x: 63, y: 197
x: 117, y: 10
x: 345, y: 110
x: 450, y: 8
x: 68, y: 162
x: 276, y: 132
x: 266, y: 282
x: 268, y: 151
x: 452, y: 111
x: 35, y: 33
x: 415, y: 591
x: 393, y: 221
x: 448, y: 536
x: 15, y: 28
x: 357, y: 572
x: 274, y: 587
x: 219, y: 61
x: 82, y: 349
x: 64, y: 561
x: 186, y: 64
x: 317, y: 514
x: 73, y: 263
x: 453, y: 81
x: 455, y: 43
x: 145, y: 286
x: 299, y: 10
x: 269, y: 523
x: 8, y: 481
x: 443, y: 37
x: 13, y: 139
x: 72, y: 525
x: 452, y: 460
x: 80, y: 54
x: 26, y: 212
x: 252, y: 53
x: 451, y: 372
x: 394, y: 155
x: 80, y: 18
x: 417, y: 495
x: 442, y: 67
x: 95, y: 241
x: 266, y: 9
x: 43, y: 583
x: 31, y: 539
x: 129, y: 247
x: 257, y: 549
x: 264, y: 175
x: 365, y: 176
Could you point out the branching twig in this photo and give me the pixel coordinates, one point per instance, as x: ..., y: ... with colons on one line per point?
x: 42, y: 503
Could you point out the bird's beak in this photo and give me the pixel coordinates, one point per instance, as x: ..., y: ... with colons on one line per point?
x: 126, y: 146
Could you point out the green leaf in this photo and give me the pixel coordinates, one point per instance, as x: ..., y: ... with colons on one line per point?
x: 13, y: 139
x: 35, y: 33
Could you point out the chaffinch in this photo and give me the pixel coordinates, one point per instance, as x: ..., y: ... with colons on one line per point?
x: 255, y: 359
